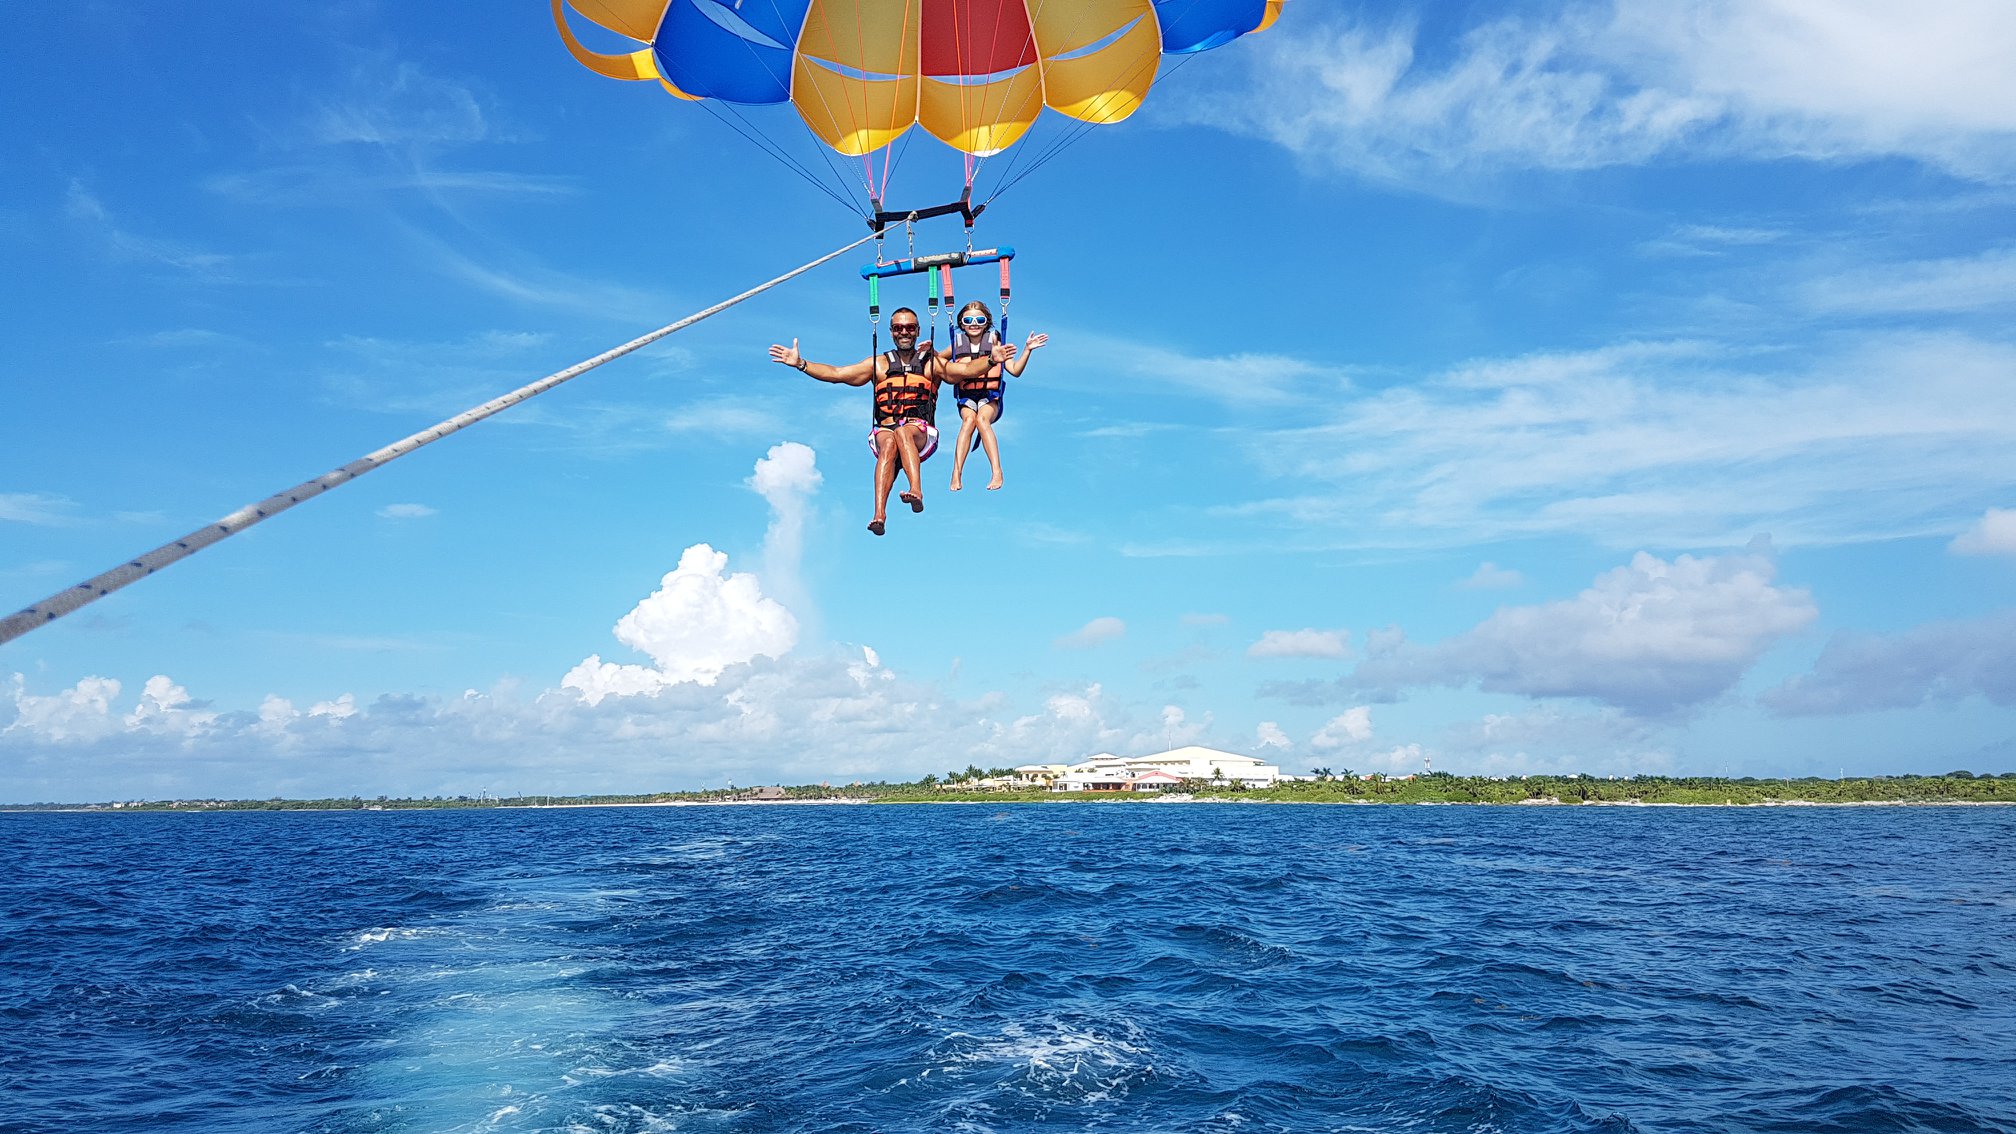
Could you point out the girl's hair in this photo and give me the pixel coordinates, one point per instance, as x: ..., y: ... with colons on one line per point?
x: 976, y: 305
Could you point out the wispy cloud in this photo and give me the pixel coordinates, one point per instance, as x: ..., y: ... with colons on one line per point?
x: 394, y: 102
x: 36, y: 508
x: 1490, y: 577
x: 728, y: 417
x: 322, y: 185
x: 85, y: 208
x: 1956, y: 284
x: 1094, y: 633
x: 1241, y: 379
x: 1871, y: 436
x: 536, y: 285
x: 1625, y: 82
x: 1301, y: 644
x: 407, y: 512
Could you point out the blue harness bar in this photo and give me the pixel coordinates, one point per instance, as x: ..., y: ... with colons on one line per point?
x: 917, y: 264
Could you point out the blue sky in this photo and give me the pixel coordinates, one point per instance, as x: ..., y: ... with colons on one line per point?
x: 1614, y: 386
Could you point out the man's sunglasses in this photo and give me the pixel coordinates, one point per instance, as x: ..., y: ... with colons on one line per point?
x: 903, y: 328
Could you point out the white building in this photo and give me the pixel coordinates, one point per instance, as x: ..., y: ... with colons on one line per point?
x: 1107, y: 772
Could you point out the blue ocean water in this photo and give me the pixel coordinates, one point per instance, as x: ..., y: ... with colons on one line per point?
x: 1234, y: 968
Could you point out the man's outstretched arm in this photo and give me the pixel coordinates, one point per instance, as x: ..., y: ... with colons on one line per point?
x: 857, y: 374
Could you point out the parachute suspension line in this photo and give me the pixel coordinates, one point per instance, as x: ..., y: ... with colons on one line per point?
x: 1035, y: 93
x: 784, y: 81
x: 91, y: 590
x: 1077, y: 131
x: 776, y: 152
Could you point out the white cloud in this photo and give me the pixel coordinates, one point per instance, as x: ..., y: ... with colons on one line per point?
x: 1550, y: 740
x: 835, y: 716
x: 1993, y: 534
x: 727, y: 417
x: 407, y: 512
x: 87, y: 210
x: 1353, y: 726
x: 1872, y: 436
x: 34, y: 508
x: 166, y: 707
x: 1490, y: 577
x: 1950, y: 285
x: 1301, y: 644
x: 1240, y: 380
x: 697, y: 623
x: 393, y: 103
x: 1094, y: 633
x: 1956, y: 284
x: 533, y: 284
x: 787, y: 477
x: 1626, y: 82
x: 81, y: 712
x: 1938, y: 662
x: 1269, y: 735
x: 1650, y: 637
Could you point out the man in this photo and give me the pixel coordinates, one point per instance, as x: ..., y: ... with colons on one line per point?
x: 905, y: 406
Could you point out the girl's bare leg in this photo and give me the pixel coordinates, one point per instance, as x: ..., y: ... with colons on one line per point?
x: 987, y: 442
x: 967, y: 422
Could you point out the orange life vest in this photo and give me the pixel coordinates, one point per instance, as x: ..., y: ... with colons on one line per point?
x: 987, y: 386
x: 905, y: 392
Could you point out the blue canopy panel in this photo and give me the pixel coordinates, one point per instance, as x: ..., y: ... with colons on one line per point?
x: 711, y: 50
x: 1200, y: 25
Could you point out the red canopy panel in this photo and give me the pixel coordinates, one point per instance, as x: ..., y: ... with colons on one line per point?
x: 976, y: 37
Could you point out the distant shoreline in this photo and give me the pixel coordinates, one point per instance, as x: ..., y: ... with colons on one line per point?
x: 1074, y: 798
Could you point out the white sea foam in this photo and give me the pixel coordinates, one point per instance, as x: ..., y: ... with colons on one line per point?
x: 382, y: 934
x: 1055, y: 1057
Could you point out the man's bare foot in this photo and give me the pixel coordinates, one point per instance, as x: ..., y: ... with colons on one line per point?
x: 955, y: 482
x: 914, y: 499
x: 995, y: 483
x: 875, y: 526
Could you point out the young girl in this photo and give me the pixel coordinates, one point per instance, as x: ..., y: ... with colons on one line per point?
x: 980, y: 397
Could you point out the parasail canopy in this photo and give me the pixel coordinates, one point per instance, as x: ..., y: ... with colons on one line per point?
x: 975, y: 74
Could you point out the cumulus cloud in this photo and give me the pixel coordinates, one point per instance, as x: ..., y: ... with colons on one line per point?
x: 787, y: 477
x: 702, y: 620
x: 1094, y: 633
x: 407, y: 512
x: 1993, y: 534
x: 1551, y: 740
x: 1941, y: 661
x: 1625, y: 82
x: 1650, y: 637
x: 832, y: 716
x: 1301, y: 644
x: 1490, y: 577
x: 699, y: 621
x: 1353, y: 726
x: 1269, y: 735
